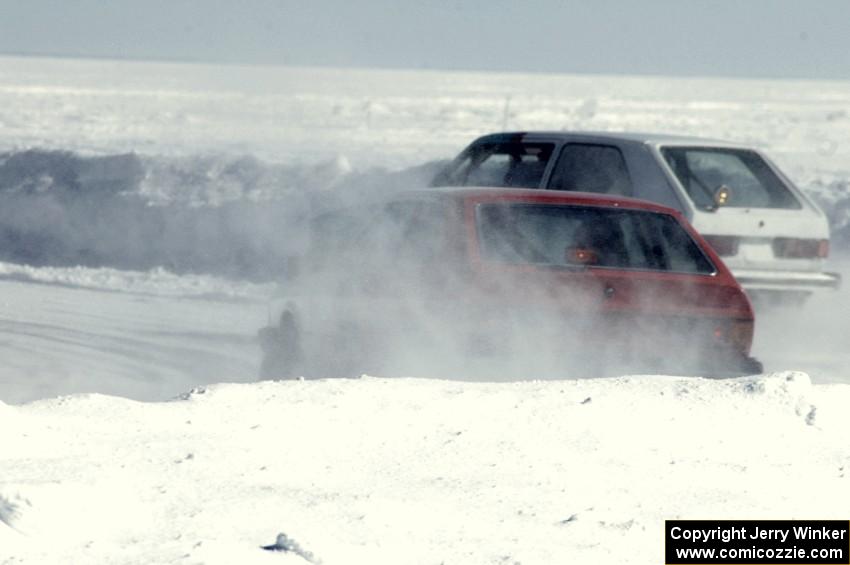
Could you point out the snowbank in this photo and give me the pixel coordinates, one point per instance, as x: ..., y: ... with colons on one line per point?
x: 415, y: 471
x: 224, y: 215
x: 157, y: 281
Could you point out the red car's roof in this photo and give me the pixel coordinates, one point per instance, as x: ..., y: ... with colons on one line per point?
x: 537, y: 195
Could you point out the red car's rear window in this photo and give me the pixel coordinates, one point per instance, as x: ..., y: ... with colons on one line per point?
x: 587, y: 236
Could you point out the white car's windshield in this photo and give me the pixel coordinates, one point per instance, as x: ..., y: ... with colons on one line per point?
x: 749, y: 181
x: 502, y: 164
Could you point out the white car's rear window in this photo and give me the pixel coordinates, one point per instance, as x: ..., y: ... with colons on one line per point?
x: 749, y: 180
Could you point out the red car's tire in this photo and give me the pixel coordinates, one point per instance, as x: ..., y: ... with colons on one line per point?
x: 282, y: 353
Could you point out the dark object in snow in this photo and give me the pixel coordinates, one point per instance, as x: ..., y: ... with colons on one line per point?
x: 586, y: 400
x: 284, y: 543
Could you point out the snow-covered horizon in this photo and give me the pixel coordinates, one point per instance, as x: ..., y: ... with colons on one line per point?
x: 146, y: 210
x: 203, y: 169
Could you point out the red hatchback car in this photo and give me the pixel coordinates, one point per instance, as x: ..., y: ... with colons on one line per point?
x: 508, y: 283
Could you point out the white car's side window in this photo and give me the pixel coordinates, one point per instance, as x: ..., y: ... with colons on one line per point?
x: 591, y: 168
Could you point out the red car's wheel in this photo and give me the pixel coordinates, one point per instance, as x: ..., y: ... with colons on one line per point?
x: 282, y: 354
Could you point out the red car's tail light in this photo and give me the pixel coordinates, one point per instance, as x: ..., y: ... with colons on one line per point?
x: 794, y: 248
x: 723, y: 245
x: 737, y: 333
x: 581, y: 256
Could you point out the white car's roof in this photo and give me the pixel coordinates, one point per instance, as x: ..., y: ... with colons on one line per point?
x: 637, y: 137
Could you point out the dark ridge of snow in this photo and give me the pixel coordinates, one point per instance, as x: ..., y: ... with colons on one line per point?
x: 230, y: 216
x: 213, y: 214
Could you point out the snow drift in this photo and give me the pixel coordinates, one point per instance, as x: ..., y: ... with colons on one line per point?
x: 415, y: 471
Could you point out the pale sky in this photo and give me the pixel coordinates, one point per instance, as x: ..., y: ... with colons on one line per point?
x: 740, y: 38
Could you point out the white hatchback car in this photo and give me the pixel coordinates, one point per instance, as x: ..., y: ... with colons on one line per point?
x: 770, y: 234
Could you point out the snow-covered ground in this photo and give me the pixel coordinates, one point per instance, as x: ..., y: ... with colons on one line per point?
x: 145, y: 209
x: 148, y: 336
x: 416, y: 471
